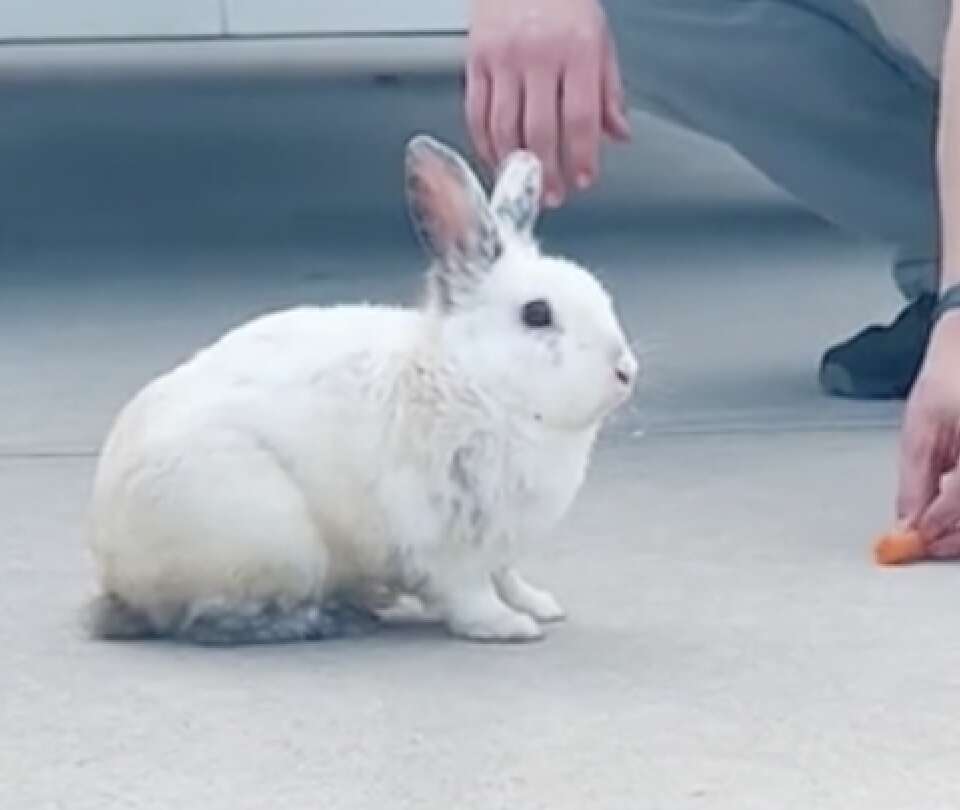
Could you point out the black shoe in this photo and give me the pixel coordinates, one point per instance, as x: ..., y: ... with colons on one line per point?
x: 881, y: 362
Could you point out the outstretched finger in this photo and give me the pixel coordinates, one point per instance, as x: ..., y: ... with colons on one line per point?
x: 616, y: 123
x: 506, y: 109
x: 919, y: 473
x: 477, y: 107
x: 942, y: 517
x: 581, y: 115
x: 946, y: 548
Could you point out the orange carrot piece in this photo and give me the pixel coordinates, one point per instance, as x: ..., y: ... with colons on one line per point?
x: 899, y: 547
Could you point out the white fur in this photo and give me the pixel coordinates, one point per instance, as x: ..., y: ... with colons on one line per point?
x: 341, y: 452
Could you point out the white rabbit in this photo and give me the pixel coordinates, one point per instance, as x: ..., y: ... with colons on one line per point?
x: 314, y: 460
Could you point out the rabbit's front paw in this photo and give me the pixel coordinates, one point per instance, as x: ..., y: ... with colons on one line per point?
x: 484, y: 617
x: 506, y: 626
x: 524, y: 597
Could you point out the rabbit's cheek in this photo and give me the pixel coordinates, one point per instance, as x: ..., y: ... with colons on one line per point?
x: 554, y: 350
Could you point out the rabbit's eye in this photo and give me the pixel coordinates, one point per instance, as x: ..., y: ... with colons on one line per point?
x: 537, y: 314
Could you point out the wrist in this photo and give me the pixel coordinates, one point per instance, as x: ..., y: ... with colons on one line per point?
x: 949, y: 321
x: 948, y: 302
x: 945, y: 338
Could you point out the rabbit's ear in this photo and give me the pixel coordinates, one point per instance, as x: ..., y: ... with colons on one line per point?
x: 451, y: 216
x: 516, y: 198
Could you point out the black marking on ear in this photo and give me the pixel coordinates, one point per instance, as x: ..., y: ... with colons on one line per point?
x: 490, y: 246
x: 452, y: 219
x: 519, y: 212
x: 440, y: 290
x: 516, y: 199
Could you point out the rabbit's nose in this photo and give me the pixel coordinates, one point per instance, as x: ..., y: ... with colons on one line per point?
x: 626, y: 367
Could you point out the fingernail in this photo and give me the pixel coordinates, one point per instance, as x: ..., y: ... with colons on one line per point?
x: 553, y: 199
x: 584, y: 179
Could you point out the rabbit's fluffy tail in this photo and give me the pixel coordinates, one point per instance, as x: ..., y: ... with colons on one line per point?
x: 109, y: 617
x: 229, y: 624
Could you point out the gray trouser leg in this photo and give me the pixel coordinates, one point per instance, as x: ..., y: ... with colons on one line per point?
x: 811, y: 94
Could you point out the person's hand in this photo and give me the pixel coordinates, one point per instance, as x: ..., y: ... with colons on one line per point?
x: 929, y: 493
x: 543, y: 75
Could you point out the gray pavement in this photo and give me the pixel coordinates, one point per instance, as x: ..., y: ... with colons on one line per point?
x: 730, y: 644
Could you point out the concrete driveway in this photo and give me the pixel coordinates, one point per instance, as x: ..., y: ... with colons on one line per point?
x: 730, y: 644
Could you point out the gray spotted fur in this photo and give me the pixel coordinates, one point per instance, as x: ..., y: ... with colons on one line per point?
x: 516, y: 199
x: 468, y: 514
x: 217, y: 624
